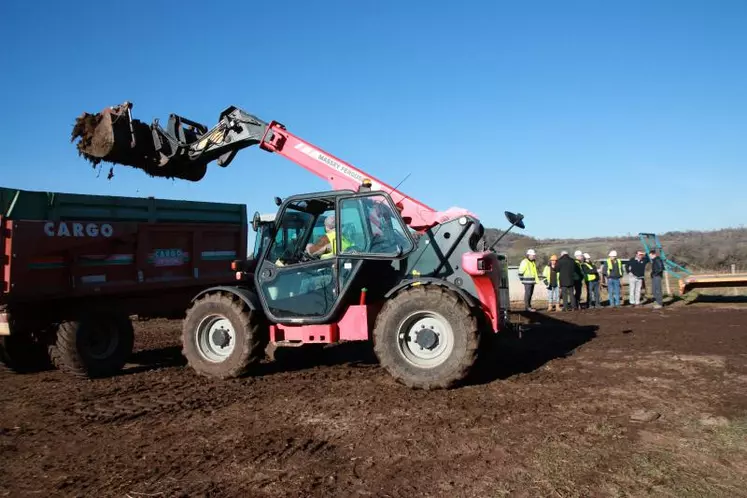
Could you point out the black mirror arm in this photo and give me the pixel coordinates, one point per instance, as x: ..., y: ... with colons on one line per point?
x: 516, y: 220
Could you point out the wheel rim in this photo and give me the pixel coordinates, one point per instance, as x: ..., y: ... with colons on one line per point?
x: 103, y: 342
x: 216, y: 338
x: 425, y: 339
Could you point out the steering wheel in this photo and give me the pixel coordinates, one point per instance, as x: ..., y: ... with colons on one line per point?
x: 305, y: 257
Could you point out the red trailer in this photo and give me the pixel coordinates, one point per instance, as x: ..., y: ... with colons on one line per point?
x: 74, y: 269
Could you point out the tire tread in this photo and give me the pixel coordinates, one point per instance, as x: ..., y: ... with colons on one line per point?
x: 67, y: 358
x: 437, y: 296
x: 254, y: 341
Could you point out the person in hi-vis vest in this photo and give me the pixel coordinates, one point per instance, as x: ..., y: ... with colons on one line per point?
x: 592, y: 282
x: 551, y: 278
x: 529, y: 277
x: 613, y: 273
x: 326, y: 245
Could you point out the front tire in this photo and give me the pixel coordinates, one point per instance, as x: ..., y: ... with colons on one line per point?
x: 93, y: 346
x: 426, y: 338
x: 222, y: 337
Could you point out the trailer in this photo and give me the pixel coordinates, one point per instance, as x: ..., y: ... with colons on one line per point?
x: 712, y: 281
x: 76, y: 268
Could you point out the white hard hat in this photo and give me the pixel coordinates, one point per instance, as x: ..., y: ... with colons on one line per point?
x: 329, y: 222
x: 563, y: 253
x: 613, y: 254
x: 578, y: 253
x: 586, y: 255
x: 531, y: 252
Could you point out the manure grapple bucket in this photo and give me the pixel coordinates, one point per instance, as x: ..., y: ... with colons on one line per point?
x: 182, y: 150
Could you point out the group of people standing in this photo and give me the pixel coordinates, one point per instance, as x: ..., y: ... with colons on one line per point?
x: 566, y: 277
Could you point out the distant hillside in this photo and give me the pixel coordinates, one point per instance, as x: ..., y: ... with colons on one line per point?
x: 713, y: 250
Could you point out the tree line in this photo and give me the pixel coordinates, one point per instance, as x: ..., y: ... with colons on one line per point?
x: 695, y: 250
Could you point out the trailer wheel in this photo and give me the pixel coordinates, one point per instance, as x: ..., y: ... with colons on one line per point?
x: 94, y: 346
x: 21, y: 353
x: 426, y: 338
x: 222, y: 337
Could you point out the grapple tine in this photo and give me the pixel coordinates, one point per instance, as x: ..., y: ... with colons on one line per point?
x: 113, y: 136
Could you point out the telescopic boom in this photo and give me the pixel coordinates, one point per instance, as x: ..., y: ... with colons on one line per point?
x: 185, y: 148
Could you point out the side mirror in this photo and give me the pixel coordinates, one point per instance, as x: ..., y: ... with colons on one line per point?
x: 256, y: 221
x: 515, y: 219
x: 278, y: 201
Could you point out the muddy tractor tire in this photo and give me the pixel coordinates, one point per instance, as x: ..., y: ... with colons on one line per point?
x: 427, y: 338
x: 21, y: 353
x: 93, y: 346
x: 222, y: 337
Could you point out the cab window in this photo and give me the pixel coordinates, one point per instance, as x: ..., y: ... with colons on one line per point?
x: 302, y: 225
x: 370, y: 225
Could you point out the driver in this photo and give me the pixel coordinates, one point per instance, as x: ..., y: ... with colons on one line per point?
x: 326, y: 246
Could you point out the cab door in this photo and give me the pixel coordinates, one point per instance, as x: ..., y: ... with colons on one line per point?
x: 371, y: 228
x: 292, y: 285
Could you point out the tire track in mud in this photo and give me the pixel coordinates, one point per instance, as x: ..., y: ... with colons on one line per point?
x: 185, y: 394
x: 285, y: 460
x: 290, y: 448
x: 269, y: 464
x: 127, y: 408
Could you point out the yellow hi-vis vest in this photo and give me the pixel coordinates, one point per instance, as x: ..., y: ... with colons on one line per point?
x: 590, y: 276
x: 332, y: 236
x: 546, y: 275
x: 619, y: 267
x: 530, y: 267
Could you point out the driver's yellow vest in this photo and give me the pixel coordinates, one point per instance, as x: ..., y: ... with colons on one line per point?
x: 332, y: 236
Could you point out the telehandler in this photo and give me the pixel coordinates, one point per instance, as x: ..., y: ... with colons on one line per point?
x: 360, y: 262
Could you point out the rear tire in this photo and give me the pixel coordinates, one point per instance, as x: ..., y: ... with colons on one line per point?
x: 426, y: 338
x: 222, y: 337
x: 93, y: 346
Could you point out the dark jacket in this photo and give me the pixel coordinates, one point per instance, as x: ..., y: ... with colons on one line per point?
x: 637, y: 268
x: 567, y: 269
x: 578, y: 275
x: 590, y: 271
x: 657, y: 267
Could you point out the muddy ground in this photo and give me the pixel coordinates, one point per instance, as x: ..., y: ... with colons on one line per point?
x: 618, y: 403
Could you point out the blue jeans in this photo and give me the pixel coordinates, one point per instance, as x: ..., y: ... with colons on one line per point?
x: 593, y: 294
x: 613, y: 289
x: 553, y: 295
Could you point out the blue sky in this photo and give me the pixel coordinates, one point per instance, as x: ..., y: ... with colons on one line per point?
x: 591, y: 118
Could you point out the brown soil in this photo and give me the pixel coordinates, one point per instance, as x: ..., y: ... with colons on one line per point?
x: 619, y: 403
x: 84, y: 129
x: 108, y: 137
